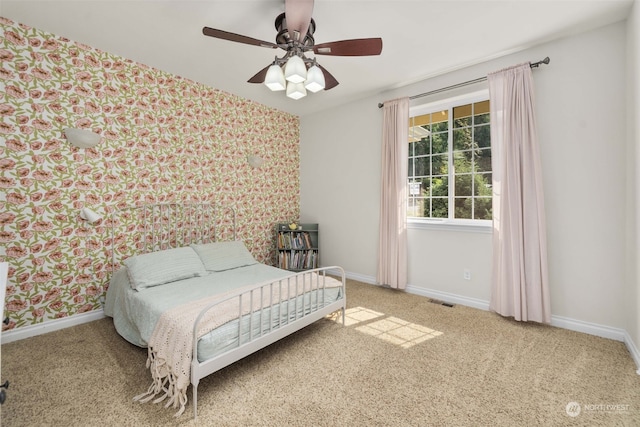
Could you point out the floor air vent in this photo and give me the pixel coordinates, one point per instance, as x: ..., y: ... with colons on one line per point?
x: 437, y: 301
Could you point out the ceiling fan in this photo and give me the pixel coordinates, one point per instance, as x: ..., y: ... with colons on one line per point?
x: 294, y: 72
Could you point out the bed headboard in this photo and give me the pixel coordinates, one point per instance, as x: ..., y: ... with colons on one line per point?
x: 149, y: 228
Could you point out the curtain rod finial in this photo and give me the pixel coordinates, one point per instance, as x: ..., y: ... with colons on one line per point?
x: 537, y: 64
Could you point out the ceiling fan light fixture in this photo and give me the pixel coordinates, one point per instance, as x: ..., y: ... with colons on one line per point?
x: 295, y: 71
x: 296, y: 90
x: 275, y: 78
x: 315, y: 79
x: 296, y: 28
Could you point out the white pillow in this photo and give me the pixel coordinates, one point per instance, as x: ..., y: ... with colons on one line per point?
x: 220, y: 256
x: 157, y: 268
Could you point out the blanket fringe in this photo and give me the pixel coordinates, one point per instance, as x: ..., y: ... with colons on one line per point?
x: 163, y: 382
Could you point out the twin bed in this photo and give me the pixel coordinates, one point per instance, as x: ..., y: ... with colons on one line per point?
x: 192, y: 294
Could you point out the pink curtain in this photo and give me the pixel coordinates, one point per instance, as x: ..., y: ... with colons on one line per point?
x: 520, y: 287
x: 392, y: 246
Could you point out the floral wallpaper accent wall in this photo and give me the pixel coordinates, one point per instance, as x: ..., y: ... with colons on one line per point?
x: 163, y: 138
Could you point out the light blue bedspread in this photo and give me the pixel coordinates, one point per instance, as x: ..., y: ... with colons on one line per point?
x: 135, y: 313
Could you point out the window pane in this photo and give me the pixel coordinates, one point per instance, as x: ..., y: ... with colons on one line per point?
x: 421, y: 147
x: 462, y: 116
x: 440, y: 164
x: 482, y: 185
x: 440, y: 143
x: 410, y: 172
x: 482, y: 136
x: 483, y: 208
x: 462, y: 139
x: 463, y: 185
x: 483, y: 160
x: 462, y: 161
x: 463, y: 207
x: 425, y: 187
x: 440, y: 127
x: 440, y: 121
x: 419, y: 127
x: 418, y: 207
x: 422, y: 120
x: 411, y: 210
x: 440, y: 186
x: 481, y: 119
x: 421, y: 165
x: 440, y: 208
x: 481, y: 112
x: 419, y: 187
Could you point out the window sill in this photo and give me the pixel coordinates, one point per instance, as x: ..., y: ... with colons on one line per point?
x: 445, y: 225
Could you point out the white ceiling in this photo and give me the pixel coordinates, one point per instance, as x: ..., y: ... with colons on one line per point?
x: 421, y: 39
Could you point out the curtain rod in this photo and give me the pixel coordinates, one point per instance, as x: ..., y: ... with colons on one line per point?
x: 470, y: 82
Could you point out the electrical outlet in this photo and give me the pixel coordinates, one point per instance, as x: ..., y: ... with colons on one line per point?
x: 466, y: 274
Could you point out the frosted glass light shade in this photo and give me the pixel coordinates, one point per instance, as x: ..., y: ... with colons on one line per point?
x: 89, y: 215
x: 296, y: 90
x: 295, y: 71
x: 315, y: 79
x: 82, y: 138
x: 275, y: 78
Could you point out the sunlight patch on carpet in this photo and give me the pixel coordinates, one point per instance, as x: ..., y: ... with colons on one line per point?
x: 388, y: 328
x: 360, y: 314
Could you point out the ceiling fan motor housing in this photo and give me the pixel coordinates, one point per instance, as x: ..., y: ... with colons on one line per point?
x: 284, y: 38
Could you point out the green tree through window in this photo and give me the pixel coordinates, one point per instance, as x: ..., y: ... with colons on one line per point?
x: 449, y: 170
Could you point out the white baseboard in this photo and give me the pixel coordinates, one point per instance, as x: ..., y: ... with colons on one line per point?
x: 635, y: 354
x: 588, y: 328
x: 361, y: 278
x: 448, y: 297
x: 50, y: 326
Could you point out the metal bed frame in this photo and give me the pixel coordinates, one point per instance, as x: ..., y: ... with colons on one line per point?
x: 317, y: 310
x: 168, y: 225
x: 164, y: 226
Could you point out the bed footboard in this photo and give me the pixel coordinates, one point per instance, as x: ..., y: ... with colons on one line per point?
x: 269, y: 312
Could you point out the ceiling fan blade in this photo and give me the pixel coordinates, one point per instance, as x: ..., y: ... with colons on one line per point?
x: 225, y: 35
x: 260, y: 76
x: 298, y: 15
x: 353, y: 47
x: 329, y: 81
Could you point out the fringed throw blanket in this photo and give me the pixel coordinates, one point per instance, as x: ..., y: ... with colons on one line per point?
x: 170, y: 349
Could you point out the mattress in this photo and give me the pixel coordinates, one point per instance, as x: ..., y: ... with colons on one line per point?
x: 135, y: 313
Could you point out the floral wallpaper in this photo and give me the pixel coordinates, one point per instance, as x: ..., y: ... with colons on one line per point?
x: 163, y: 139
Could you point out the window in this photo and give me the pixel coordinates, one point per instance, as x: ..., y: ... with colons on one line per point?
x: 449, y: 174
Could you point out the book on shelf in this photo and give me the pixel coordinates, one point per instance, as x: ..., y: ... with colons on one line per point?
x: 297, y: 260
x: 301, y: 240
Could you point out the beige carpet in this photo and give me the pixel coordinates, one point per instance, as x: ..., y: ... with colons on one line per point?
x: 401, y: 361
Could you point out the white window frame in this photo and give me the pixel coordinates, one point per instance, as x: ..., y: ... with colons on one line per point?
x: 452, y: 224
